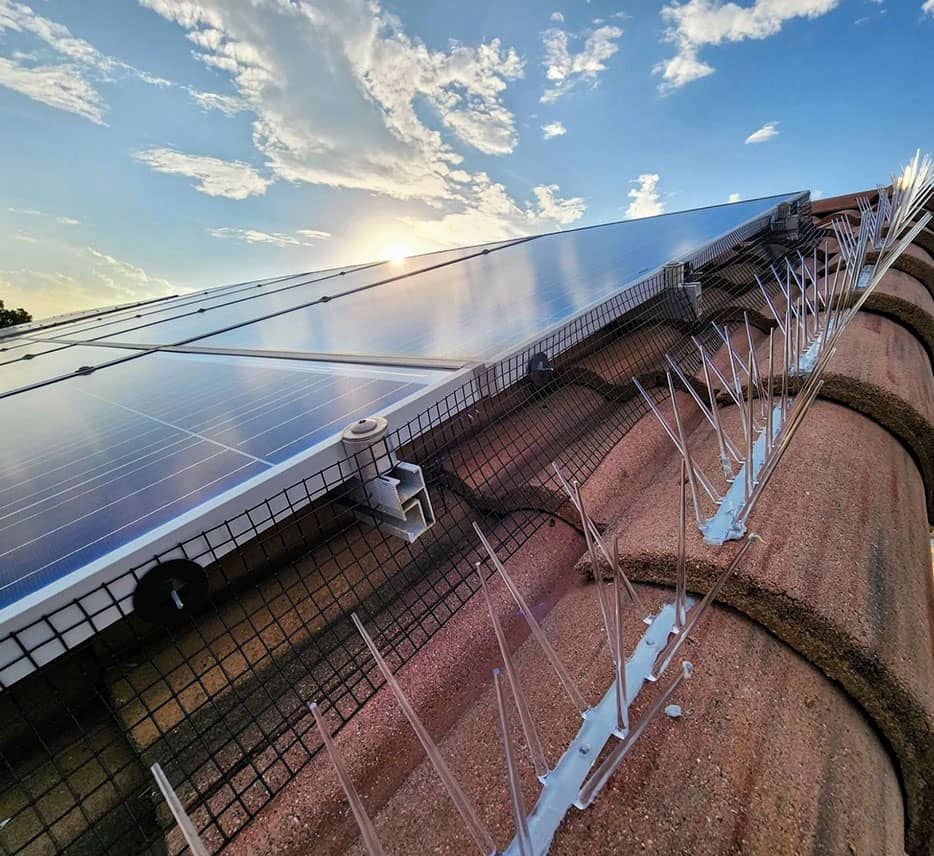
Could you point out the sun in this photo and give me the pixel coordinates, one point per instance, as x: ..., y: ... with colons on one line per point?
x: 394, y: 253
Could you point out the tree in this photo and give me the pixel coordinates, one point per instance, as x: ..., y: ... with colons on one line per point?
x: 9, y: 317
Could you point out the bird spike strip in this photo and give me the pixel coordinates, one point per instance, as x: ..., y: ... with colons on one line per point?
x: 821, y: 296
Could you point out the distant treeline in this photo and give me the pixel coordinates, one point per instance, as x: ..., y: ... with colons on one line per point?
x: 9, y: 317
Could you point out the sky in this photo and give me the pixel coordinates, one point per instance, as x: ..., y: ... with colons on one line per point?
x: 153, y: 147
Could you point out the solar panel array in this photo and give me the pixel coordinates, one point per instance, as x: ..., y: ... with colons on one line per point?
x: 119, y: 423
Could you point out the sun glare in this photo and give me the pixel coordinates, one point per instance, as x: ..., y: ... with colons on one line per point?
x: 394, y: 253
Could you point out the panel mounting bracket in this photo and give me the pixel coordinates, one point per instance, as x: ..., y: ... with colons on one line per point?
x: 397, y: 502
x: 389, y: 493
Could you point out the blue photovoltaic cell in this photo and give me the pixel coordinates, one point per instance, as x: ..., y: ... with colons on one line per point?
x: 43, y: 327
x: 91, y: 464
x: 479, y: 307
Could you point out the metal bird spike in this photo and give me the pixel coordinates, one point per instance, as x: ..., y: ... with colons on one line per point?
x: 710, y: 415
x: 722, y: 438
x: 597, y: 571
x: 480, y: 834
x: 598, y: 539
x: 601, y: 775
x: 750, y: 433
x: 697, y: 612
x: 771, y: 305
x: 738, y: 396
x: 681, y: 578
x: 622, y: 694
x: 189, y: 833
x: 661, y: 419
x: 785, y: 436
x: 539, y: 761
x: 770, y: 396
x: 713, y: 367
x: 686, y: 454
x: 569, y: 686
x: 368, y: 835
x: 786, y: 361
x: 753, y: 371
x: 519, y: 814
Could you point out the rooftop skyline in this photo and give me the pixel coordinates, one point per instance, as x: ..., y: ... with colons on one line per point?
x: 159, y: 147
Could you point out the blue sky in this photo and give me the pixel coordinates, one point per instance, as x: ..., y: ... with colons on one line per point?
x: 156, y: 147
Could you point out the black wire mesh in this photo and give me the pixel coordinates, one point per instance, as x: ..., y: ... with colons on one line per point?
x: 220, y: 699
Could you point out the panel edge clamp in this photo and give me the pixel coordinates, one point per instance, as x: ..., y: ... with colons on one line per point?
x: 364, y: 440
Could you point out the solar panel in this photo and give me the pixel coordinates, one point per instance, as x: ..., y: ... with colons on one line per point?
x: 91, y: 465
x: 102, y: 467
x: 428, y: 307
x: 135, y: 316
x: 169, y: 326
x: 473, y: 309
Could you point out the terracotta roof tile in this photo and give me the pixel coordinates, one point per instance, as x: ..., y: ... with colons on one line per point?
x: 854, y: 596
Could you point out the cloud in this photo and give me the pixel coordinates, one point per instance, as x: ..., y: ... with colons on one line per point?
x: 566, y: 70
x: 556, y: 129
x: 70, y: 84
x: 406, y: 111
x: 557, y: 17
x: 35, y: 212
x: 228, y: 104
x: 215, y: 177
x: 363, y: 61
x: 300, y: 238
x: 126, y: 281
x: 928, y: 7
x: 59, y: 86
x: 733, y: 197
x: 93, y: 278
x: 681, y: 69
x: 763, y: 134
x: 550, y: 207
x: 490, y: 214
x: 645, y: 198
x: 65, y: 71
x: 696, y: 24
